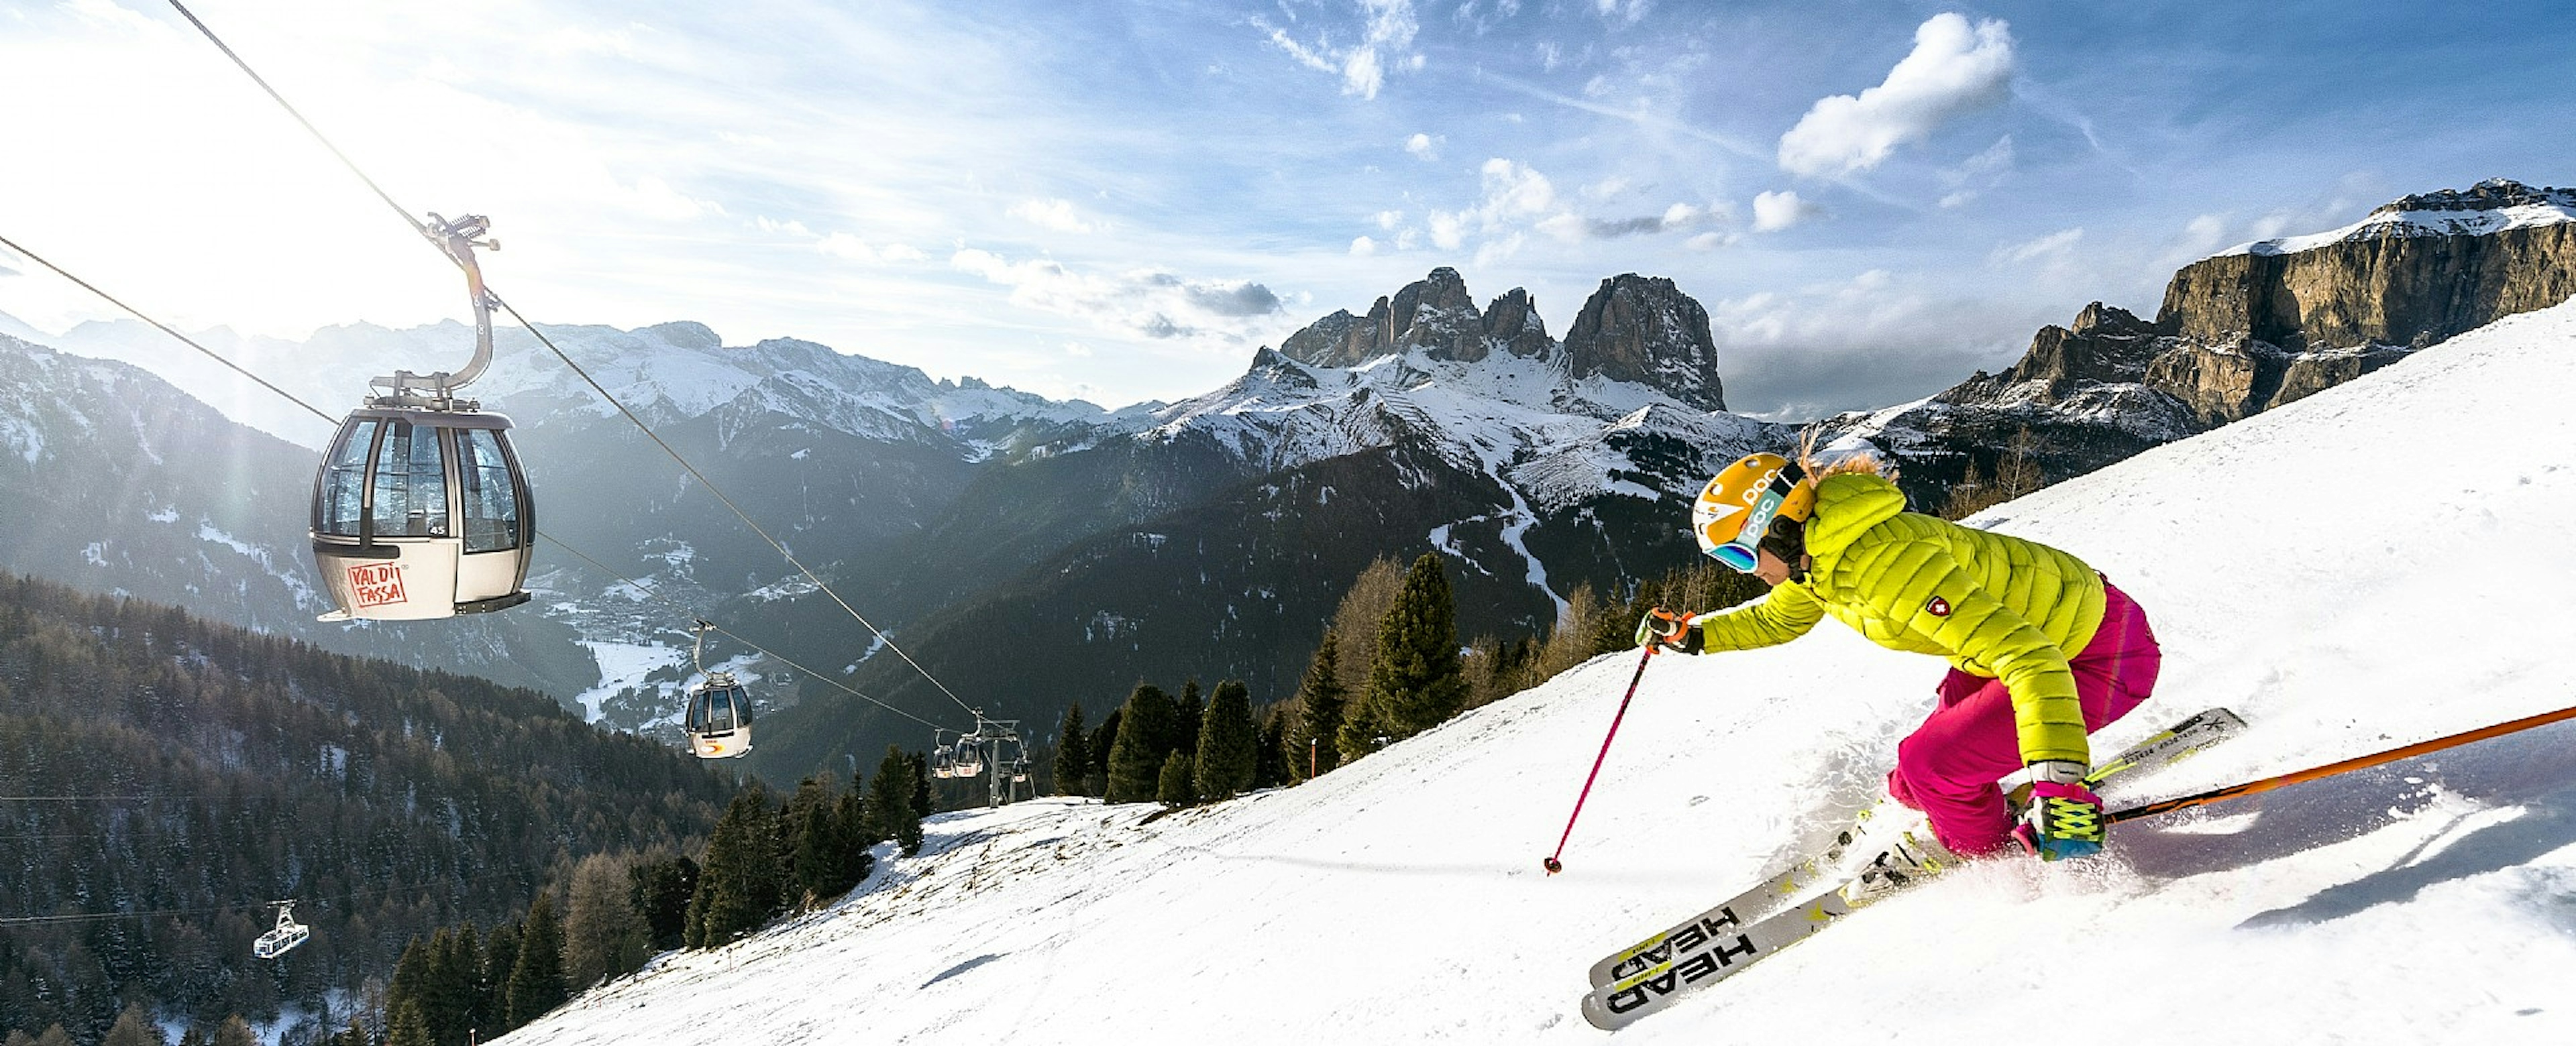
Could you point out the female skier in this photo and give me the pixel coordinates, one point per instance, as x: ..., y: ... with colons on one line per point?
x: 2042, y: 649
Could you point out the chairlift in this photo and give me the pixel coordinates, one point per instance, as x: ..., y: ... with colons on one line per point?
x: 969, y: 761
x: 285, y: 937
x: 421, y: 509
x: 718, y: 719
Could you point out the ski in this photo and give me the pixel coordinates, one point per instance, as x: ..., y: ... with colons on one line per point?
x: 2176, y: 743
x: 1712, y: 948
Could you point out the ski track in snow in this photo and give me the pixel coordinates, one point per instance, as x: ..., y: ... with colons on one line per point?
x: 2382, y: 563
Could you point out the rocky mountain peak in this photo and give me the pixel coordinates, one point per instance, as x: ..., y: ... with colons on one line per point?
x: 2490, y: 195
x: 1644, y: 329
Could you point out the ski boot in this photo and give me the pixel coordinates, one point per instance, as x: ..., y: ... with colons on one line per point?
x: 1912, y: 858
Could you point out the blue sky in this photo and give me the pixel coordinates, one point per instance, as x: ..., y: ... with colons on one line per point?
x: 1118, y: 202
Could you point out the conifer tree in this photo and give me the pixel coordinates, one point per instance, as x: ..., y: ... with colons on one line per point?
x: 234, y: 1031
x: 1417, y: 681
x: 890, y: 813
x: 1321, y: 694
x: 1102, y: 741
x: 492, y: 990
x: 1072, y: 754
x: 537, y: 982
x: 739, y: 885
x: 1145, y: 736
x: 1174, y: 786
x: 660, y: 891
x: 922, y: 804
x: 816, y: 845
x: 1190, y: 706
x: 404, y: 1025
x: 1228, y: 742
x: 1270, y: 753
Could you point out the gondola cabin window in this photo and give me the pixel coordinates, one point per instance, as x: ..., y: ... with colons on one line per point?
x: 491, y: 502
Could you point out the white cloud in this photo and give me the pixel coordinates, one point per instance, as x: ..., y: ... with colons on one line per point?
x: 1056, y: 214
x: 1978, y: 173
x: 1423, y: 146
x: 1388, y: 220
x: 1148, y: 303
x: 1773, y: 211
x: 1363, y: 247
x: 2055, y: 248
x: 1624, y: 12
x: 1955, y: 69
x: 844, y: 245
x: 1386, y: 33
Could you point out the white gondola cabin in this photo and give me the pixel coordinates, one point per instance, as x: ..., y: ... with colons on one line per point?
x: 719, y: 718
x: 284, y: 937
x: 422, y: 513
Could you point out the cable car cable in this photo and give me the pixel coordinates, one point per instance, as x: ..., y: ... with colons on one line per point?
x: 540, y: 532
x: 495, y: 298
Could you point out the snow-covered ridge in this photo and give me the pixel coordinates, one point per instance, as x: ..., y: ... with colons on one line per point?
x: 1520, y: 417
x: 2510, y: 206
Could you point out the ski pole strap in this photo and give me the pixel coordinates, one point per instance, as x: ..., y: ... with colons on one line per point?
x: 2220, y: 795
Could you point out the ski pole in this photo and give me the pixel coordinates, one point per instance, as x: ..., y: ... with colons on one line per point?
x: 2220, y: 795
x: 1553, y: 866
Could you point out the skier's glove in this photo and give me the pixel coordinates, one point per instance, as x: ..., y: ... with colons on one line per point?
x: 1666, y: 630
x: 2065, y: 817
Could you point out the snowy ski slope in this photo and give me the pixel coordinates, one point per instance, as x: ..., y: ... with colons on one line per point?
x: 2388, y: 561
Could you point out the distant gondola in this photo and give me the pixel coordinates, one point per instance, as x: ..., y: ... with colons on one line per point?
x: 718, y: 719
x: 420, y: 509
x: 285, y: 937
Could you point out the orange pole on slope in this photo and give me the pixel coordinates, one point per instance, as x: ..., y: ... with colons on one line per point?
x: 2220, y: 795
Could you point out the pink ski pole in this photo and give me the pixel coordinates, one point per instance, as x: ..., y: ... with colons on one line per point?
x: 1552, y: 864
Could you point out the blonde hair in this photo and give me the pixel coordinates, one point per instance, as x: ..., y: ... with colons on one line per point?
x: 1812, y: 459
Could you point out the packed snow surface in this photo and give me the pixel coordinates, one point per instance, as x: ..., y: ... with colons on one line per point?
x: 2382, y: 563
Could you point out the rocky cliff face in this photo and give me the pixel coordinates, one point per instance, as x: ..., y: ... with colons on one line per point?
x: 2248, y: 330
x: 2415, y: 272
x: 1645, y: 330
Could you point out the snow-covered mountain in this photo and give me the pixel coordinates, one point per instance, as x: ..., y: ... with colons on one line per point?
x: 2308, y: 567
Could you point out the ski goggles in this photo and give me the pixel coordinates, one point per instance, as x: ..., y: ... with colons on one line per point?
x: 1741, y: 553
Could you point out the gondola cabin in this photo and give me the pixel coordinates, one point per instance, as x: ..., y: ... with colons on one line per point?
x: 969, y: 760
x: 719, y: 718
x: 284, y: 937
x: 421, y: 513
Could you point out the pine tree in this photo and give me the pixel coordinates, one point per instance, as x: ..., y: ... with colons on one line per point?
x: 537, y: 983
x: 1072, y: 754
x: 1103, y: 740
x: 890, y: 813
x: 660, y: 891
x: 234, y: 1031
x: 1190, y: 707
x: 1174, y: 786
x: 738, y: 890
x: 404, y: 1025
x: 1145, y: 736
x: 492, y: 988
x: 922, y: 805
x: 1270, y: 753
x: 1228, y: 742
x: 1417, y: 682
x: 815, y: 844
x: 1321, y: 694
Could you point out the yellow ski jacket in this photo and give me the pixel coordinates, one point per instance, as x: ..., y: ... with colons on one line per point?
x: 1995, y: 606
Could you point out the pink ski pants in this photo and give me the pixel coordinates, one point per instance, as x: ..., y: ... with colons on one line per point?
x: 1948, y: 767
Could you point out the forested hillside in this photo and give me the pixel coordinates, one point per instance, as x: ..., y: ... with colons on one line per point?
x: 163, y: 778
